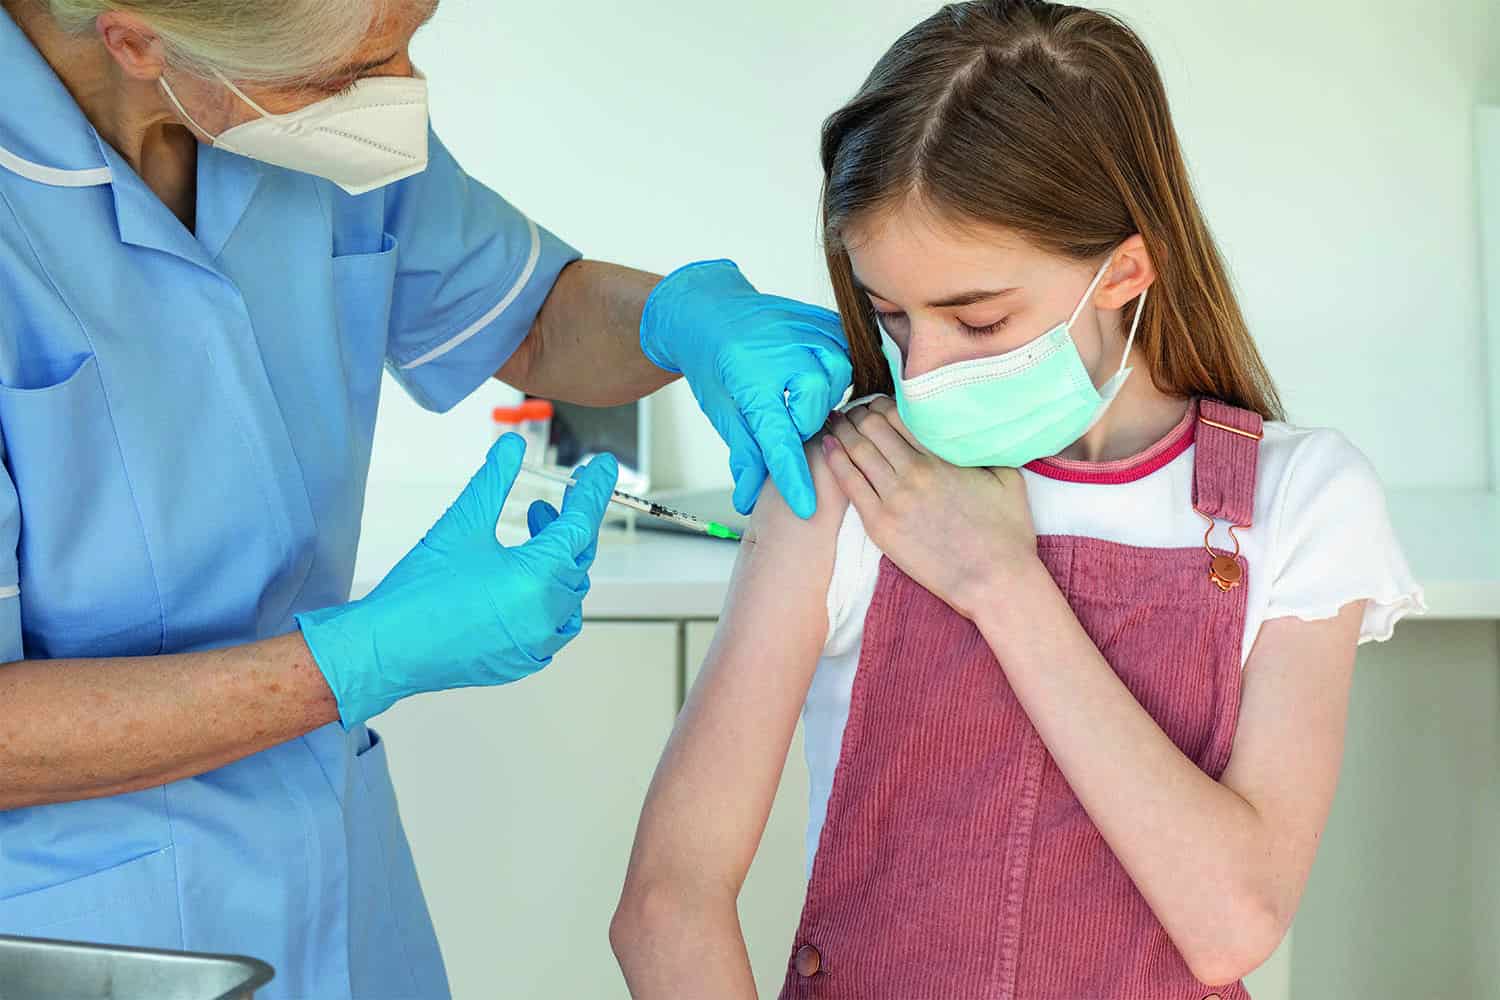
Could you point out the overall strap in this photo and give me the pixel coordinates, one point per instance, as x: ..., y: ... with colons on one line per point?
x: 1228, y: 446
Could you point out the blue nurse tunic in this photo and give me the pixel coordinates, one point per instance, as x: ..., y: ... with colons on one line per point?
x: 186, y: 421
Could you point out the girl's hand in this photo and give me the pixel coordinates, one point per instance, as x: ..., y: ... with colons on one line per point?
x: 955, y: 531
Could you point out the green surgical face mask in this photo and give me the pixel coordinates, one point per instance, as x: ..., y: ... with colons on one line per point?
x: 1011, y: 408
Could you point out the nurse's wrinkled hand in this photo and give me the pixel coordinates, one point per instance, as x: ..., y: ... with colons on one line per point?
x: 961, y: 533
x: 766, y: 370
x: 462, y: 610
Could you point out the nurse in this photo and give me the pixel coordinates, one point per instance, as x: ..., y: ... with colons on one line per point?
x: 219, y: 223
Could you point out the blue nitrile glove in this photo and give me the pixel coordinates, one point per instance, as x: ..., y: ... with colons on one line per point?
x: 461, y: 609
x: 767, y: 371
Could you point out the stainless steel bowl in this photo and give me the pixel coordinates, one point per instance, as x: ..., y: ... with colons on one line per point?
x: 35, y: 969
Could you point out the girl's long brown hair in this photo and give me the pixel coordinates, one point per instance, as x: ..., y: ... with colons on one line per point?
x: 1050, y: 121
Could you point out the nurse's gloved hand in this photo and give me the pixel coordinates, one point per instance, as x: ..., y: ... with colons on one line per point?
x: 462, y: 610
x: 767, y: 371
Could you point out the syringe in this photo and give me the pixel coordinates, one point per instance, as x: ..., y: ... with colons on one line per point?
x: 649, y: 507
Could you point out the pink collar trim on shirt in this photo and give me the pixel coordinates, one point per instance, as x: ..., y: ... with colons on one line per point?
x: 1124, y: 470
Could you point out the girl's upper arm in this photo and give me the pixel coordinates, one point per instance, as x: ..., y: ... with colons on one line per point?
x: 1337, y: 577
x: 1290, y: 737
x: 713, y: 790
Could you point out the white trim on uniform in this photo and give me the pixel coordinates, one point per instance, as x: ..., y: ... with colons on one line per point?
x: 53, y: 175
x: 493, y: 314
x: 8, y: 592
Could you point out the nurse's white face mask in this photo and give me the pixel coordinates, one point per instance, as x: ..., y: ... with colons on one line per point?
x: 367, y: 137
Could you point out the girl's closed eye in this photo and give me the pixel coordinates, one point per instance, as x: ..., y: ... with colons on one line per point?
x: 986, y: 330
x: 892, y: 319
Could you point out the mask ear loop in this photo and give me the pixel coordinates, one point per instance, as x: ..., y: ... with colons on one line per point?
x: 172, y: 96
x: 1077, y: 312
x: 1135, y: 324
x: 237, y: 92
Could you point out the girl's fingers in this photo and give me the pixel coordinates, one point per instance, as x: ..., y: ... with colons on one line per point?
x: 851, y: 481
x: 886, y: 407
x: 879, y: 428
x: 866, y: 456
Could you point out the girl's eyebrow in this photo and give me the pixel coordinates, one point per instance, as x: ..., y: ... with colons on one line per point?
x: 950, y: 302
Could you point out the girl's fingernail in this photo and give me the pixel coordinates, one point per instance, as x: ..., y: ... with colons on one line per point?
x: 829, y: 443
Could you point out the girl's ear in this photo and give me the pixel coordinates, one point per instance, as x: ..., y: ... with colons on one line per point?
x: 1131, y: 272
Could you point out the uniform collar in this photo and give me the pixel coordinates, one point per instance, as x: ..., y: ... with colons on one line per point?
x: 48, y: 139
x: 44, y: 134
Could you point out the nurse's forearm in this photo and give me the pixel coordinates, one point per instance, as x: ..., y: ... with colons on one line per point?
x: 81, y: 729
x: 585, y: 346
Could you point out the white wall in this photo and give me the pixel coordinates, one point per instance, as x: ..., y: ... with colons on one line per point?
x: 1487, y: 140
x: 1332, y: 148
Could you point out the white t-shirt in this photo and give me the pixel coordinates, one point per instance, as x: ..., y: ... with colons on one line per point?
x: 1321, y: 539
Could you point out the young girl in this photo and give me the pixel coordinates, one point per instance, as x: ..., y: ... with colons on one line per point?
x: 1073, y: 730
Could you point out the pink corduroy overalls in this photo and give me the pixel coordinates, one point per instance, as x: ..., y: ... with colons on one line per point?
x: 955, y: 862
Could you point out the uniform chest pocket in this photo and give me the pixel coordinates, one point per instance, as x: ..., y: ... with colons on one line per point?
x: 87, y: 588
x: 364, y: 286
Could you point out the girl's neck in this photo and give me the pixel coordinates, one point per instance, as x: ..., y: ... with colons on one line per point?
x: 1140, y: 416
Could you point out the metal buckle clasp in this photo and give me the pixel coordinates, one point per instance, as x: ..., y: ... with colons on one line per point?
x: 1224, y: 571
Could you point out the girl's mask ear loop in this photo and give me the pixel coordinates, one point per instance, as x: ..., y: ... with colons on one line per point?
x: 1135, y: 323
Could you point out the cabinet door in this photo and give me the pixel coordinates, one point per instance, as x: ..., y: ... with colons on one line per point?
x: 1273, y: 981
x: 771, y: 901
x: 521, y: 805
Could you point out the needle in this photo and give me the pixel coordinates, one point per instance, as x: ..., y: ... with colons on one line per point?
x: 649, y: 507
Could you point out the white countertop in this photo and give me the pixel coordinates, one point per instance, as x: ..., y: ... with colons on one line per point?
x: 638, y: 575
x: 1452, y: 540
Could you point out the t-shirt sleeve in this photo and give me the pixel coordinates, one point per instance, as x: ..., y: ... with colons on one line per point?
x: 856, y: 570
x: 472, y: 274
x: 1335, y: 543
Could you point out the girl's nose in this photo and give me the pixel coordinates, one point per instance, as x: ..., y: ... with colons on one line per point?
x: 926, y: 350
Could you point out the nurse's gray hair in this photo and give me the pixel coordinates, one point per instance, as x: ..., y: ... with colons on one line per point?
x: 258, y: 41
